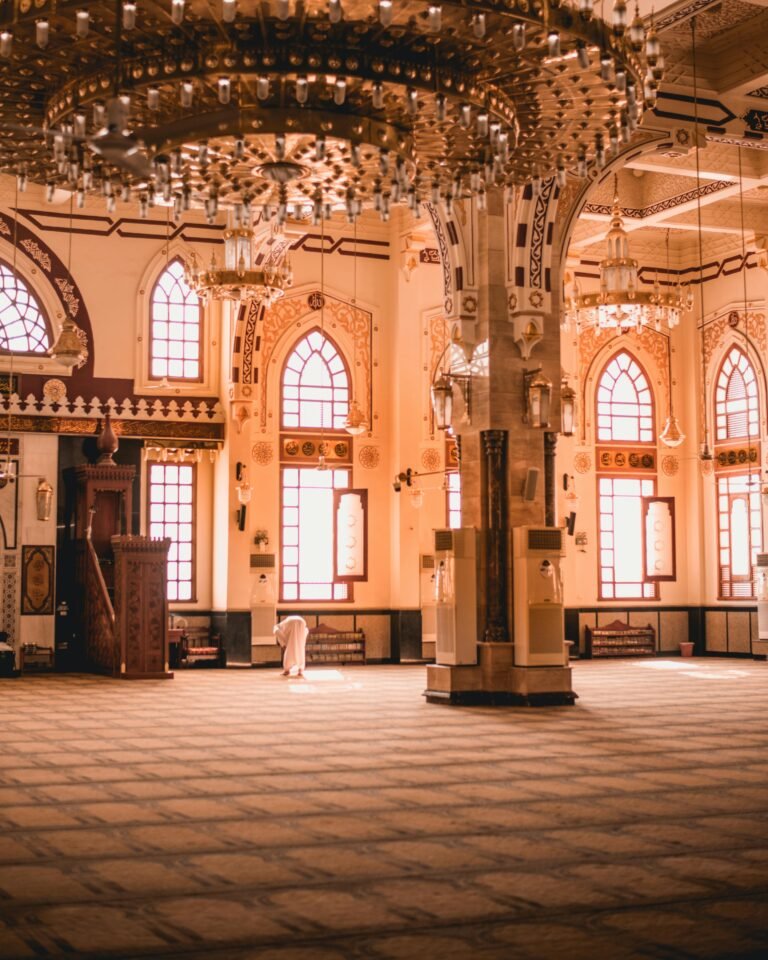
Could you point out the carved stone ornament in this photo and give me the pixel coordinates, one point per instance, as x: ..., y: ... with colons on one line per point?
x: 369, y: 457
x: 528, y: 330
x: 262, y: 453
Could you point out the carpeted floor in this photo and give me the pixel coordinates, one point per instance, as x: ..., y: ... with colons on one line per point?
x: 236, y: 814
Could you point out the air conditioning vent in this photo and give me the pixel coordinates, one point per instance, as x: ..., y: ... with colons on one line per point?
x: 263, y: 560
x: 427, y: 561
x: 550, y: 540
x: 443, y: 540
x: 762, y: 559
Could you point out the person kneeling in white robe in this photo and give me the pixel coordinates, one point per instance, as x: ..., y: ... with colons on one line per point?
x: 291, y: 634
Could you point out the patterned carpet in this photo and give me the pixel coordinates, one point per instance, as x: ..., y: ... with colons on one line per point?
x: 235, y: 814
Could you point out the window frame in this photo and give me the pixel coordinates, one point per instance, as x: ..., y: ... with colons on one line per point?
x: 449, y: 493
x: 193, y: 466
x: 753, y: 480
x: 653, y: 478
x: 328, y: 431
x: 727, y: 436
x: 37, y: 300
x: 350, y: 586
x: 155, y: 378
x: 598, y: 381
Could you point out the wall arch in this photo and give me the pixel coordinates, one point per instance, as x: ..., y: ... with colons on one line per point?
x: 352, y: 331
x: 176, y: 250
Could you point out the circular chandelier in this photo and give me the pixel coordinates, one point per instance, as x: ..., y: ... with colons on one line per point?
x: 619, y: 305
x: 237, y: 278
x: 308, y: 108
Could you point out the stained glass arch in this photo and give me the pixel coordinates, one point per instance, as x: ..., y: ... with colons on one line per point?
x: 315, y: 385
x: 175, y: 327
x: 24, y: 327
x: 737, y: 403
x: 624, y: 402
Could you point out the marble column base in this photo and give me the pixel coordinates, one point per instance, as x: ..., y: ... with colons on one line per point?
x: 496, y: 680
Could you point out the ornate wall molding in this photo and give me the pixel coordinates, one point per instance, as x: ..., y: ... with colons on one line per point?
x: 295, y: 314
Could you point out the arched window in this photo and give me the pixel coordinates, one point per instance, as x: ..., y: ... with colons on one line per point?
x: 625, y: 477
x: 175, y: 327
x: 736, y: 400
x: 314, y: 396
x: 23, y: 325
x: 739, y: 522
x: 315, y: 385
x: 624, y: 402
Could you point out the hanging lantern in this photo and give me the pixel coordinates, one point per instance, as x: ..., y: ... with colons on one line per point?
x: 538, y: 397
x: 567, y: 410
x: 68, y: 349
x: 671, y: 435
x: 355, y: 422
x: 442, y: 401
x: 44, y: 499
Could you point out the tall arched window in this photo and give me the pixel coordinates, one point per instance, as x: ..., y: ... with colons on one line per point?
x: 737, y: 418
x: 24, y: 327
x: 315, y: 386
x: 175, y: 328
x: 736, y: 400
x: 626, y: 474
x: 624, y: 402
x: 314, y: 393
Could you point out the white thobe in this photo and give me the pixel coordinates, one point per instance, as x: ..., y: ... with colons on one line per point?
x: 291, y: 634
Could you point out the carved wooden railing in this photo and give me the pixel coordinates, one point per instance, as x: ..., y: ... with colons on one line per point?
x: 100, y: 640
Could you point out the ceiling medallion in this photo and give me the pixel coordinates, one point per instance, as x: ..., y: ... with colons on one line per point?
x: 316, y: 107
x: 619, y: 305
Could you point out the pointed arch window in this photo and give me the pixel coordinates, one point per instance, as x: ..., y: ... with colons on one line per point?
x: 24, y: 327
x: 624, y: 402
x: 175, y: 328
x: 624, y: 413
x: 736, y: 398
x: 315, y: 385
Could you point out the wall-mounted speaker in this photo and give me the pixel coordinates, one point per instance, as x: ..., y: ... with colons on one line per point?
x: 531, y: 482
x: 241, y: 518
x: 570, y: 523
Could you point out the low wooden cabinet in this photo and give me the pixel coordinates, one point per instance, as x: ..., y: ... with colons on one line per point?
x: 619, y: 639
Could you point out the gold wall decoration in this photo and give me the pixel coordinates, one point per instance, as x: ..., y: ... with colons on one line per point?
x: 625, y: 459
x: 37, y: 580
x: 730, y: 457
x: 306, y: 448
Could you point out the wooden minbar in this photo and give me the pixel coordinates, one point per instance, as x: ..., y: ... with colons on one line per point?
x: 619, y: 639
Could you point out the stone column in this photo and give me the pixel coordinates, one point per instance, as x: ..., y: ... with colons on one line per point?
x: 497, y: 450
x: 494, y: 498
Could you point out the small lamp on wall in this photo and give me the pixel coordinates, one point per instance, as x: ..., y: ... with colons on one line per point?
x: 538, y: 396
x: 442, y: 401
x: 567, y: 409
x: 44, y: 499
x: 243, y: 487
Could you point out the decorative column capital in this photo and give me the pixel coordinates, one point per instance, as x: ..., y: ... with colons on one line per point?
x: 493, y: 441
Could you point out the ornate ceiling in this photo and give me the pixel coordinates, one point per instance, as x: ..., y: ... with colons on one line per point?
x: 660, y: 186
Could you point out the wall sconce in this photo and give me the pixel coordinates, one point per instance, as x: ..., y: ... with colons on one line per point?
x: 44, y: 499
x: 572, y: 499
x: 567, y: 409
x: 403, y: 478
x: 442, y: 398
x: 537, y: 391
x: 243, y: 487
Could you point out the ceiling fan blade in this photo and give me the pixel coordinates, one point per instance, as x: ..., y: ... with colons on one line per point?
x: 122, y: 153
